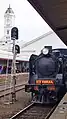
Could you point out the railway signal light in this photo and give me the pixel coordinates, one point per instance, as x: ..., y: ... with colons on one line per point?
x: 14, y: 33
x: 17, y: 49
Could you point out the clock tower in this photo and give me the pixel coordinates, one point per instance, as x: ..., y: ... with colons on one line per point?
x: 9, y: 22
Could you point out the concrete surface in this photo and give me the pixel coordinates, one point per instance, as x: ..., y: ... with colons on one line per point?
x: 61, y: 110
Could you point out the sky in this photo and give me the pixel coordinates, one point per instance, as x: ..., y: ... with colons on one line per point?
x: 28, y: 21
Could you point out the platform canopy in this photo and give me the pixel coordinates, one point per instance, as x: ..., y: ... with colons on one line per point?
x: 54, y: 12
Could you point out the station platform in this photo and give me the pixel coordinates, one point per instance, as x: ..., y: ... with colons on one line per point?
x: 61, y: 110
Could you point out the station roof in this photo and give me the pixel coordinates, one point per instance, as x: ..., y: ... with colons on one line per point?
x: 54, y: 12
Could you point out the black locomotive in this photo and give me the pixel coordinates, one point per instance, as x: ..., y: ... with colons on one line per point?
x: 47, y: 75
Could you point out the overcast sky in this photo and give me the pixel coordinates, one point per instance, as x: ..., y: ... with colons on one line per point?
x: 28, y: 21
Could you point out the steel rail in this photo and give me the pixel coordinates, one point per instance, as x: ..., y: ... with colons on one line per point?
x: 17, y: 114
x: 52, y: 110
x: 26, y: 108
x: 12, y: 87
x: 9, y: 92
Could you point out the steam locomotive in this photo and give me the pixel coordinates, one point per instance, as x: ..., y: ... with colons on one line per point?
x: 47, y: 75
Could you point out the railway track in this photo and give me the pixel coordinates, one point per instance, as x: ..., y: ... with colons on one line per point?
x: 34, y: 111
x: 9, y: 90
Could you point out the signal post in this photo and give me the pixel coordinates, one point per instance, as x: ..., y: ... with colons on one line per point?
x: 14, y: 36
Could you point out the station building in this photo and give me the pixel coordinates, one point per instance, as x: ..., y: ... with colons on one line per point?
x: 6, y: 43
x: 26, y: 49
x: 48, y: 39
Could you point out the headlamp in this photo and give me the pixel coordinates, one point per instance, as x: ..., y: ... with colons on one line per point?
x: 45, y: 51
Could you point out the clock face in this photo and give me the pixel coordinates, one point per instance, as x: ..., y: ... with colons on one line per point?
x: 8, y: 21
